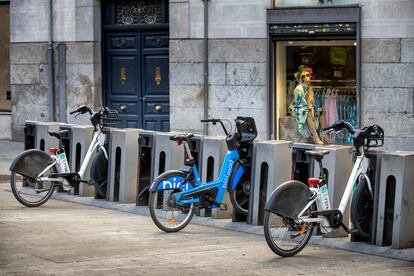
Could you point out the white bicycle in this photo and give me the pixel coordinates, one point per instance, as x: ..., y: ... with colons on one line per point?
x: 295, y: 209
x: 35, y: 174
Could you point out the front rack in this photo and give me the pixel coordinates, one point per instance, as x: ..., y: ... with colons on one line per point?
x: 109, y: 118
x: 375, y: 137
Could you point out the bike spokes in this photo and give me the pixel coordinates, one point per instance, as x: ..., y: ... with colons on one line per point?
x: 167, y: 215
x: 29, y: 191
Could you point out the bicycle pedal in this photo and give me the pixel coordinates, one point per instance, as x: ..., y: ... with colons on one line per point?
x: 223, y: 206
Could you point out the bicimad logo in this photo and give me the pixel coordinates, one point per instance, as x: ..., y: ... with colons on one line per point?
x: 229, y: 170
x: 174, y: 183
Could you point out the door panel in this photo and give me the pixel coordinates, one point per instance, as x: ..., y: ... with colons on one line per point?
x: 137, y: 78
x: 123, y: 74
x: 156, y: 110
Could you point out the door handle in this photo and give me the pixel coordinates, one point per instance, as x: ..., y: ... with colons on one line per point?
x: 122, y: 108
x: 157, y: 108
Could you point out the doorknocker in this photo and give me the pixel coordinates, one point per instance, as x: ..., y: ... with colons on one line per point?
x: 158, y: 75
x: 123, y: 75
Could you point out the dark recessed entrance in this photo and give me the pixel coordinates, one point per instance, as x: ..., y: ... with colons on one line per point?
x: 135, y: 62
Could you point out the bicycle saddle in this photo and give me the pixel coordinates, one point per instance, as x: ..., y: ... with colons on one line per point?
x: 59, y: 134
x: 182, y: 137
x: 318, y: 155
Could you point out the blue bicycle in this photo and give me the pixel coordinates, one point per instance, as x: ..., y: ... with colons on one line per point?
x: 175, y: 194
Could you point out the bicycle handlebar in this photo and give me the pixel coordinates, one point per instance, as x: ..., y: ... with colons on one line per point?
x: 341, y: 125
x: 215, y: 121
x: 82, y: 109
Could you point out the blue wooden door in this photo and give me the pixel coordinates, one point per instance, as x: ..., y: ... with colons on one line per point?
x: 155, y: 84
x: 123, y: 76
x: 136, y: 78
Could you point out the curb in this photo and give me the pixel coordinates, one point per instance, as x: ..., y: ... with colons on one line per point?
x: 227, y: 224
x: 4, y: 177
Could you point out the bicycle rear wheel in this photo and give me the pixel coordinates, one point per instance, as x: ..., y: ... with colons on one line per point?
x: 29, y: 191
x: 165, y: 214
x: 286, y: 237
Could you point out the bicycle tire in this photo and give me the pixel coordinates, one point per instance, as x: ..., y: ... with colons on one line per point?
x: 233, y: 196
x: 362, y: 209
x: 25, y: 202
x: 275, y: 248
x: 99, y: 174
x: 153, y: 211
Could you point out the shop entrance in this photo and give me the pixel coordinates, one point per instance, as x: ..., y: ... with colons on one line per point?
x: 135, y: 62
x: 314, y: 72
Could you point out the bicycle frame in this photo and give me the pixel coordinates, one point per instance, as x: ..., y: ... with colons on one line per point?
x: 98, y: 140
x: 221, y: 183
x: 360, y: 168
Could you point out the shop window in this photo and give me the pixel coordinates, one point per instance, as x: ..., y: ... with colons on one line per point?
x: 315, y: 86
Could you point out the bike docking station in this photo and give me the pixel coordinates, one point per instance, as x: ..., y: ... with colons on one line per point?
x: 43, y: 140
x: 66, y: 142
x: 246, y: 152
x: 396, y: 200
x: 146, y: 147
x: 270, y: 169
x: 123, y: 165
x: 374, y: 174
x: 167, y: 154
x: 196, y: 148
x: 214, y: 151
x: 80, y: 142
x: 302, y: 165
x: 30, y: 135
x: 338, y: 166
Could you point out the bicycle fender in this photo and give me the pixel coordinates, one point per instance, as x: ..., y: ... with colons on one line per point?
x: 170, y: 180
x: 289, y: 199
x: 30, y: 162
x: 236, y: 175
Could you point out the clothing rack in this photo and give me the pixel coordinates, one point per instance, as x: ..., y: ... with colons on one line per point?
x: 331, y: 86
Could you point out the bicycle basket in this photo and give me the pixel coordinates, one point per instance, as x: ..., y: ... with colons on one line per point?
x: 375, y: 137
x: 246, y: 127
x: 109, y: 118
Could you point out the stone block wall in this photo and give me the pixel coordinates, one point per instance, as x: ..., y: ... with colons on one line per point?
x: 75, y: 23
x: 237, y: 63
x: 387, y: 94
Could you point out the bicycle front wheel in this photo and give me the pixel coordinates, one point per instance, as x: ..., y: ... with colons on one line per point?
x: 286, y: 237
x: 362, y: 210
x: 241, y: 195
x: 29, y: 191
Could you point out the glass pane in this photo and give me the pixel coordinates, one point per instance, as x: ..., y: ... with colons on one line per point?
x: 138, y: 12
x: 285, y: 3
x: 316, y: 86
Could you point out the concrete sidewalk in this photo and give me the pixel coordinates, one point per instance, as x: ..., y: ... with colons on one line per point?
x: 62, y: 238
x: 8, y: 151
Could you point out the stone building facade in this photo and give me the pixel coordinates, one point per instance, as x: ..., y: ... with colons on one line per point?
x: 238, y: 61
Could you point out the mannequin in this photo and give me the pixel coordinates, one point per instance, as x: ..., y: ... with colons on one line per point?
x: 303, y: 106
